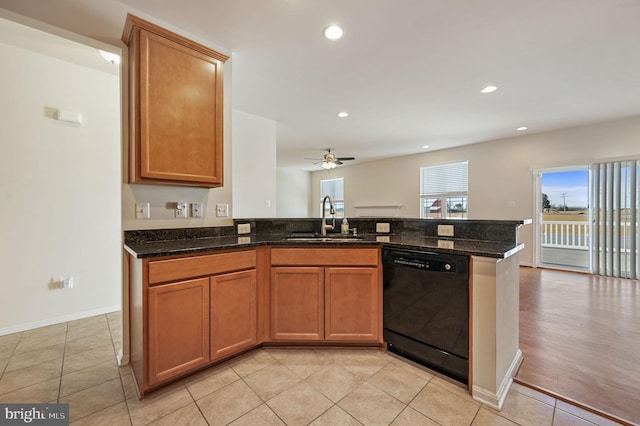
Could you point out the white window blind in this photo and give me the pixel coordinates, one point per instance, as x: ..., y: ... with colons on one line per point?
x: 335, y: 189
x: 616, y: 203
x: 444, y: 179
x: 443, y: 190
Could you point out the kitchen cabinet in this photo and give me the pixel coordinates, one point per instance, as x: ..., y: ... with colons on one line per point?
x: 176, y: 107
x: 233, y: 313
x: 190, y: 311
x: 178, y: 328
x: 325, y: 294
x: 352, y: 297
x: 297, y: 303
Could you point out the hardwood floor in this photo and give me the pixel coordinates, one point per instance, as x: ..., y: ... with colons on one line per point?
x: 580, y: 337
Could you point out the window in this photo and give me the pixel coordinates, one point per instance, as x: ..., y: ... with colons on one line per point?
x: 335, y: 189
x: 443, y: 191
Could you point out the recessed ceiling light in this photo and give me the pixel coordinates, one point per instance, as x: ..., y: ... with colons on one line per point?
x: 333, y: 32
x: 489, y: 89
x: 521, y: 128
x: 425, y: 146
x: 343, y: 114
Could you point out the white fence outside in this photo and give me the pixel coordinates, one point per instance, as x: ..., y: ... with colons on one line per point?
x: 577, y: 235
x: 566, y: 234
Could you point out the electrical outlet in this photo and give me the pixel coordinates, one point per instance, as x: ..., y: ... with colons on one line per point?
x: 383, y: 227
x: 244, y: 228
x: 446, y: 244
x: 181, y: 210
x: 445, y: 230
x: 196, y: 209
x: 222, y: 210
x: 143, y: 211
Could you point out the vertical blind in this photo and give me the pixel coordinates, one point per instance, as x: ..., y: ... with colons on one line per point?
x: 615, y: 188
x: 444, y: 179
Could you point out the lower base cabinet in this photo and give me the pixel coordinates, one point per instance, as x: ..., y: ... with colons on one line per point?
x: 297, y: 303
x: 188, y: 312
x: 178, y: 328
x: 233, y: 313
x: 352, y: 299
x: 325, y: 303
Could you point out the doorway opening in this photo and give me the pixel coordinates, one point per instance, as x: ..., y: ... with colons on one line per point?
x: 564, y: 225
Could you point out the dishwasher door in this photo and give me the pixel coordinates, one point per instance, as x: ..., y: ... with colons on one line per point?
x: 426, y: 309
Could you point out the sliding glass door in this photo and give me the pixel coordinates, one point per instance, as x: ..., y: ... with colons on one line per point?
x: 564, y: 226
x: 588, y: 218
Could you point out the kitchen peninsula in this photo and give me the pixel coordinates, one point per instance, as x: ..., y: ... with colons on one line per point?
x: 192, y: 284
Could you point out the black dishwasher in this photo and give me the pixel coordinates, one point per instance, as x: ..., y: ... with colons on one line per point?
x: 426, y: 309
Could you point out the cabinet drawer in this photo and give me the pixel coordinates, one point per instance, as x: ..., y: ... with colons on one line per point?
x: 325, y: 256
x: 188, y: 267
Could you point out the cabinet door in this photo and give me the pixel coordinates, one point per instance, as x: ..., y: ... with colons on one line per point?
x: 352, y: 304
x: 179, y: 113
x: 233, y: 313
x: 178, y: 332
x: 297, y: 303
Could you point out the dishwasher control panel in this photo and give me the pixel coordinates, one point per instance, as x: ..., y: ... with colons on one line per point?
x: 427, y: 261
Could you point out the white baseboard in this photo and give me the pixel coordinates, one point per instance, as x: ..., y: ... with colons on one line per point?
x: 57, y: 320
x: 496, y: 400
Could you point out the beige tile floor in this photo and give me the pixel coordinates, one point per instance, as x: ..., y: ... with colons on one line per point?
x: 75, y: 363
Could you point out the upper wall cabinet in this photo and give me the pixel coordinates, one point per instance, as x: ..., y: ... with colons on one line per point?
x: 176, y: 103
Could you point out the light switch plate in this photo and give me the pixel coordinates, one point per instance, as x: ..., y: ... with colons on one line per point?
x: 222, y: 210
x: 445, y: 230
x: 142, y: 211
x: 196, y: 209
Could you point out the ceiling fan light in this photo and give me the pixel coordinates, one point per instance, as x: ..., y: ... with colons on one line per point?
x: 328, y: 165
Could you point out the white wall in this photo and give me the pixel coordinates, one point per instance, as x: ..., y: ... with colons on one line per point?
x: 293, y: 193
x: 254, y: 166
x: 500, y: 171
x: 60, y: 189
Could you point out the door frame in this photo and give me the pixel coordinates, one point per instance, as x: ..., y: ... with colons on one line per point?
x: 537, y: 212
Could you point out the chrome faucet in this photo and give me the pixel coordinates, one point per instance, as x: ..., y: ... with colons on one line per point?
x: 324, y: 215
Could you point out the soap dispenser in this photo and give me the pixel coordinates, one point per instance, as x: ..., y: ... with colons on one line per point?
x: 344, y: 228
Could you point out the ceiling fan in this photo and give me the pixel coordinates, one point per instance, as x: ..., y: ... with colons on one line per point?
x: 330, y: 161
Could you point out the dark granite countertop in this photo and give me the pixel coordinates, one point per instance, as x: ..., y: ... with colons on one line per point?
x: 193, y: 245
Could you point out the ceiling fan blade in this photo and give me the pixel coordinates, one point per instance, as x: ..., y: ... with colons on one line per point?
x: 345, y: 158
x: 338, y: 162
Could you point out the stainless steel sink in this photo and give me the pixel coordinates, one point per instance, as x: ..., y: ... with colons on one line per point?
x: 324, y: 239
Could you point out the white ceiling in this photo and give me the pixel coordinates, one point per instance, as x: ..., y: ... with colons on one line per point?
x: 409, y: 72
